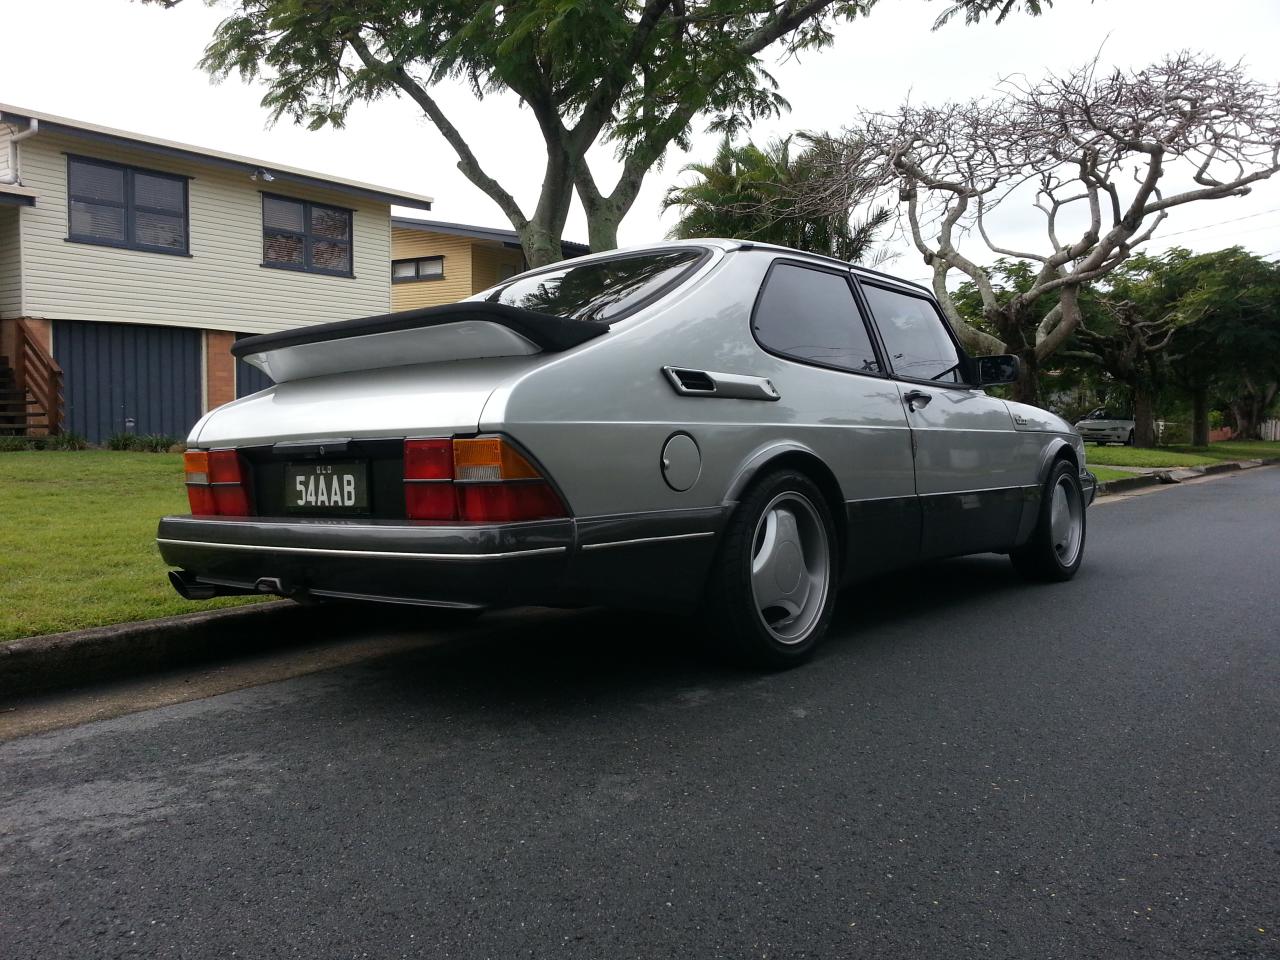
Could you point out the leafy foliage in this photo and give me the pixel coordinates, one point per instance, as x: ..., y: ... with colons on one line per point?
x: 635, y: 74
x: 747, y: 193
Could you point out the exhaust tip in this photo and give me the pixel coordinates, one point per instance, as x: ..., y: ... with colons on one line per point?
x: 189, y: 588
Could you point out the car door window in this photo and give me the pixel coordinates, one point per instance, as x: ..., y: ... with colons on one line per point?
x: 912, y: 330
x: 810, y: 315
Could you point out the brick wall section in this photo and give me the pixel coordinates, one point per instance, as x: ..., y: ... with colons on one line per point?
x: 220, y: 368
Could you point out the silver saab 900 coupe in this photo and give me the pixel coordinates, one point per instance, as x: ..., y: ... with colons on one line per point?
x: 710, y: 426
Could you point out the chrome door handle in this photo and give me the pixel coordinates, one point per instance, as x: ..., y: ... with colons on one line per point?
x: 913, y: 397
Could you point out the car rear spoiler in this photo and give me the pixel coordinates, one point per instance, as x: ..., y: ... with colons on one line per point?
x: 457, y: 331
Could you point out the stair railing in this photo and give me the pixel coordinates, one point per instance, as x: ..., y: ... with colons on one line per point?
x: 38, y: 374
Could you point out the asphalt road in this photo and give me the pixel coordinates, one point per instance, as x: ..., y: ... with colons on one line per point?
x: 971, y: 768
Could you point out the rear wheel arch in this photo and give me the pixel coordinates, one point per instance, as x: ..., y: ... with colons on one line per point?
x: 806, y: 462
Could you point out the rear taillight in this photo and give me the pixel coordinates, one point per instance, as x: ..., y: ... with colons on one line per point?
x: 428, y: 480
x: 217, y: 483
x: 481, y: 480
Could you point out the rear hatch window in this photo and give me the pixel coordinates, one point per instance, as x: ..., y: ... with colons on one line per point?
x: 602, y: 291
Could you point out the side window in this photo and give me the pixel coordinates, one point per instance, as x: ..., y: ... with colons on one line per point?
x: 810, y: 315
x: 913, y: 333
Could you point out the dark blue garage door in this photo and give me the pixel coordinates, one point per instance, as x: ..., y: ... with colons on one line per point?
x: 249, y: 379
x: 116, y: 372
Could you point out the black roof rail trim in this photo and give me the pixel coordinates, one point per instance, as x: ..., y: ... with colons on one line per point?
x: 889, y: 276
x: 551, y: 334
x: 826, y: 258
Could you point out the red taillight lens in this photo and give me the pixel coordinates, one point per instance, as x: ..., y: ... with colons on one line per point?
x: 479, y: 480
x: 225, y: 467
x: 430, y: 501
x: 428, y: 475
x: 428, y: 459
x: 217, y: 483
x: 201, y: 500
x: 507, y: 502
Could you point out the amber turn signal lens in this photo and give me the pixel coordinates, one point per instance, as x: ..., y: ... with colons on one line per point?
x: 196, y: 464
x: 490, y: 458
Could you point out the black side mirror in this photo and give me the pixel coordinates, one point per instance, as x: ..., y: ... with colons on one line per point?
x: 1002, y: 368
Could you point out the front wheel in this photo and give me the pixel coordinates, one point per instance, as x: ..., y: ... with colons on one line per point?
x: 773, y: 588
x: 1056, y: 548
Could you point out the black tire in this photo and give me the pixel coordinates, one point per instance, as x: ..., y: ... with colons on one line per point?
x: 1043, y: 558
x: 1129, y: 442
x: 736, y: 624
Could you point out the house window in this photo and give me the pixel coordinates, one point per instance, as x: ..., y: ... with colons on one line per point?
x: 423, y: 268
x: 298, y: 235
x: 117, y: 206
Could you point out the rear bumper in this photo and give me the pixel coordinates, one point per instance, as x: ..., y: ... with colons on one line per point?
x: 652, y: 560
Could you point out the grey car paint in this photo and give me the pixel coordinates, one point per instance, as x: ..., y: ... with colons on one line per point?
x: 599, y: 417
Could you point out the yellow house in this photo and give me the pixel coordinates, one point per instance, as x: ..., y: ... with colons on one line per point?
x: 130, y: 264
x: 433, y: 262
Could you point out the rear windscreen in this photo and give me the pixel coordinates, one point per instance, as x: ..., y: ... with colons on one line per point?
x: 602, y: 290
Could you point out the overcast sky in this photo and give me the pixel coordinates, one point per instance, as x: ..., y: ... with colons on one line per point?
x: 130, y: 66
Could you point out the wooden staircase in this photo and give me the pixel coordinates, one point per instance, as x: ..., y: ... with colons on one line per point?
x: 30, y: 388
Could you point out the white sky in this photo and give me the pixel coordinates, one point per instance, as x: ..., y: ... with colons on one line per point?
x: 130, y: 66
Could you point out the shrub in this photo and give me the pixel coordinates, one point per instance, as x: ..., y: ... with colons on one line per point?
x: 156, y: 442
x: 66, y: 441
x: 122, y: 441
x: 14, y: 444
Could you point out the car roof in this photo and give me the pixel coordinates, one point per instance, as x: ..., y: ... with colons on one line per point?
x: 729, y: 245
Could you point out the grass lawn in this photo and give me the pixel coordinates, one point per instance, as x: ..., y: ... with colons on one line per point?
x: 77, y: 539
x: 1183, y: 456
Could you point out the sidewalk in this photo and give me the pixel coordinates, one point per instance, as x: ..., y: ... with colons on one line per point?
x: 1154, y: 476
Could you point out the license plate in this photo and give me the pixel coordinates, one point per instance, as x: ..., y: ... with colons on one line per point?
x: 331, y: 487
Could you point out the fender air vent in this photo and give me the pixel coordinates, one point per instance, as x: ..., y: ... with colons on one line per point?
x: 694, y: 381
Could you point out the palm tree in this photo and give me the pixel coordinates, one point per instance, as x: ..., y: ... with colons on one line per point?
x: 750, y: 194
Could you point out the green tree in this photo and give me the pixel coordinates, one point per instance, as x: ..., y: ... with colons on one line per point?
x: 632, y: 74
x: 1230, y: 348
x: 1012, y: 279
x: 1127, y: 336
x: 747, y: 192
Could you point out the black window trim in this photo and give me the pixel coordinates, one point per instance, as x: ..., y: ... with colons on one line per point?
x: 704, y: 255
x: 307, y: 236
x: 129, y: 207
x: 417, y: 277
x: 876, y: 346
x: 966, y: 361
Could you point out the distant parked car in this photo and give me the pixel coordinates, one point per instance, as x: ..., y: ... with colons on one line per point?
x: 710, y: 426
x: 1106, y: 426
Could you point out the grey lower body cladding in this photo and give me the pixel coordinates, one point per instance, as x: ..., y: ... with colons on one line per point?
x: 658, y: 560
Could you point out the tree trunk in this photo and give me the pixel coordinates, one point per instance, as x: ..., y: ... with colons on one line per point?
x: 1027, y: 387
x: 1200, y: 417
x: 1246, y: 411
x: 1144, y: 418
x: 540, y: 246
x: 602, y: 232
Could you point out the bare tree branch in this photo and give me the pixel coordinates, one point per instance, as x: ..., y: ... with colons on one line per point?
x: 1100, y: 143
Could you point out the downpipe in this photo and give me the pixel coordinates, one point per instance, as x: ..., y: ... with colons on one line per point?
x: 14, y: 176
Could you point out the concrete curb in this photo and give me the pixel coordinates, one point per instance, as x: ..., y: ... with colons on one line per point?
x: 60, y: 660
x: 1175, y: 475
